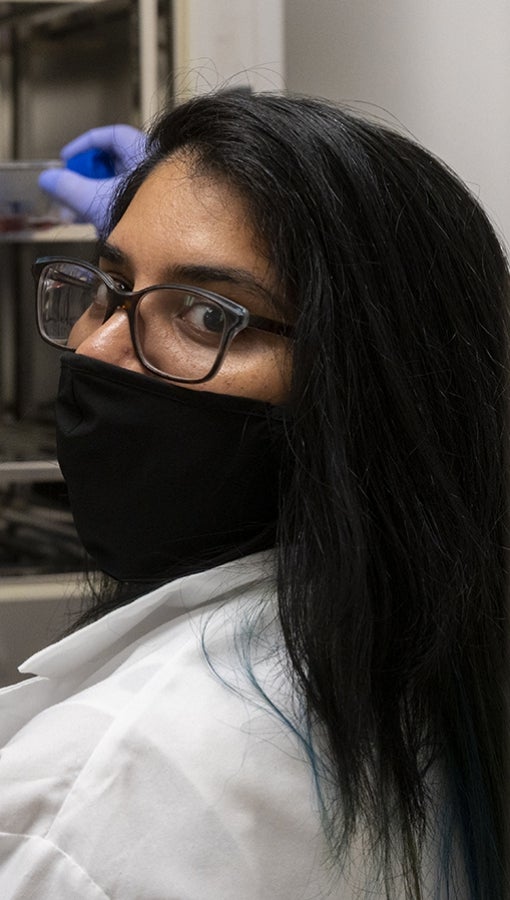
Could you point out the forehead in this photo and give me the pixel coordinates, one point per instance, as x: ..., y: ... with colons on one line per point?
x: 181, y: 216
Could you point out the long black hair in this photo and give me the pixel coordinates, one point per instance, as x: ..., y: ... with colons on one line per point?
x: 391, y: 541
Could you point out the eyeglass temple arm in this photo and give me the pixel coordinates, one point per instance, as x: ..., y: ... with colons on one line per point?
x: 270, y: 325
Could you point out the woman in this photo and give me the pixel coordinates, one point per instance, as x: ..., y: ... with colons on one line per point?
x: 297, y: 338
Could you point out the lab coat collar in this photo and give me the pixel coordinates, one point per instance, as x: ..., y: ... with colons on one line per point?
x: 183, y: 595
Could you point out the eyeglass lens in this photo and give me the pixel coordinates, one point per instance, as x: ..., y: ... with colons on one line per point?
x: 179, y: 333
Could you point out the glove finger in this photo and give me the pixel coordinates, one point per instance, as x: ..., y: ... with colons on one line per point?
x: 131, y: 148
x: 125, y: 144
x: 68, y: 187
x: 102, y: 137
x: 90, y: 198
x: 48, y: 180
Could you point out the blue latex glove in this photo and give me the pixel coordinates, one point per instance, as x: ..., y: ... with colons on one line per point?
x: 112, y: 150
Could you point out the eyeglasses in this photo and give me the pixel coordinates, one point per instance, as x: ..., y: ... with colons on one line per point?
x: 178, y: 332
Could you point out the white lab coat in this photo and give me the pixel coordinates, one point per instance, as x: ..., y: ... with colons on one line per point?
x: 131, y: 770
x: 138, y: 766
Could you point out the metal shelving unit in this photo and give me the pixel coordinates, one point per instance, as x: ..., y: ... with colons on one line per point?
x: 65, y: 66
x: 148, y: 13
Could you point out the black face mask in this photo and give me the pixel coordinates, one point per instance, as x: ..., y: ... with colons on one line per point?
x: 164, y: 480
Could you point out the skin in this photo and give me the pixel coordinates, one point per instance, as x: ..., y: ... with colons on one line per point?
x: 184, y: 228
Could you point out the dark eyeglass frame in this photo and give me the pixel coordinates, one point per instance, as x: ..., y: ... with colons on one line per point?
x: 237, y: 317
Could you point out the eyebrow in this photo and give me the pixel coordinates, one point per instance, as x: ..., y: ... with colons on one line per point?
x: 194, y: 273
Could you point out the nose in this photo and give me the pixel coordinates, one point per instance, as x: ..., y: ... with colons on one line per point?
x: 112, y: 343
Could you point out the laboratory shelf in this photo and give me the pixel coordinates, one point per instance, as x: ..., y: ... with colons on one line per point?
x: 30, y: 471
x: 52, y: 234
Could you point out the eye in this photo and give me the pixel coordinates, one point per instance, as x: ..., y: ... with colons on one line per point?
x: 121, y: 285
x: 203, y: 316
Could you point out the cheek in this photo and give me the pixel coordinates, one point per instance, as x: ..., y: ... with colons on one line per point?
x: 79, y: 333
x: 281, y: 380
x: 266, y: 377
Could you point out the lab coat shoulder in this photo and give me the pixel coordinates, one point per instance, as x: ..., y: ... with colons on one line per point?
x: 167, y: 774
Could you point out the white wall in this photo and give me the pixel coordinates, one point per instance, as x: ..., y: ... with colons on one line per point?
x: 237, y: 42
x: 440, y: 68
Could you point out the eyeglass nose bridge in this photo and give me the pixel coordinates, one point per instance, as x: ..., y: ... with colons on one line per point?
x: 121, y: 301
